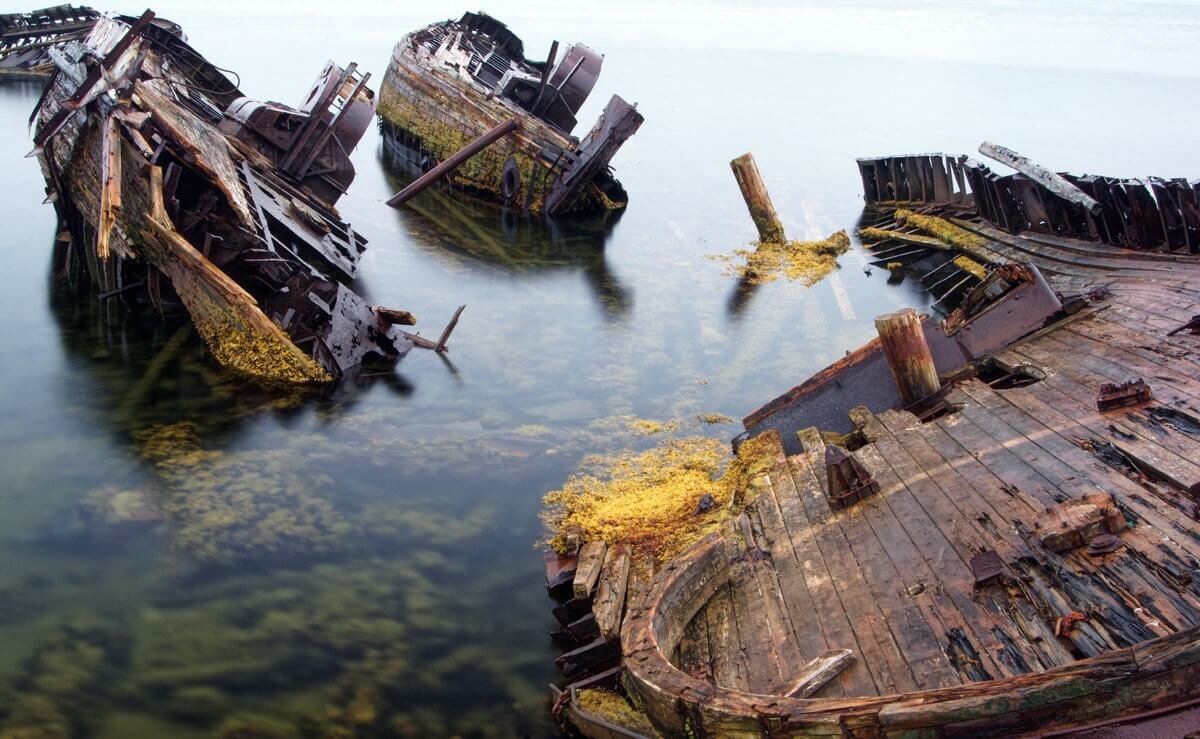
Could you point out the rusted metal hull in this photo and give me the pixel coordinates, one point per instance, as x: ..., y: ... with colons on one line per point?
x: 430, y: 107
x: 167, y: 209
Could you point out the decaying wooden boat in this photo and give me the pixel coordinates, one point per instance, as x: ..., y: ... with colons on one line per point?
x: 981, y: 523
x: 451, y: 82
x: 176, y: 189
x: 26, y: 38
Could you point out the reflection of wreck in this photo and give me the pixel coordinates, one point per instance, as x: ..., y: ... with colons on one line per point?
x: 451, y: 82
x: 979, y: 524
x: 179, y: 190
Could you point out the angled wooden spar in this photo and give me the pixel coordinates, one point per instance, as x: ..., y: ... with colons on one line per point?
x: 754, y: 190
x: 1048, y: 179
x: 454, y: 161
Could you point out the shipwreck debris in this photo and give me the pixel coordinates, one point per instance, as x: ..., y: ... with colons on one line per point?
x: 29, y: 41
x: 450, y: 82
x: 1119, y: 395
x: 178, y: 190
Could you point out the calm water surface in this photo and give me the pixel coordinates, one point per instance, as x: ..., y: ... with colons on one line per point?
x: 179, y: 550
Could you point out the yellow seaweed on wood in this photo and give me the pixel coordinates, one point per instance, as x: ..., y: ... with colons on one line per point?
x: 806, y: 261
x: 942, y: 229
x: 613, y: 708
x: 650, y: 500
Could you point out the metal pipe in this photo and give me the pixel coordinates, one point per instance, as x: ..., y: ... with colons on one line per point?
x: 453, y: 162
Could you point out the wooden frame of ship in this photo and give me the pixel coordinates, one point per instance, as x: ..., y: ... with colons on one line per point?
x: 450, y: 83
x: 1026, y: 564
x: 176, y: 189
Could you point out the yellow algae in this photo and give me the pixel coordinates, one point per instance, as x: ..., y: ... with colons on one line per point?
x: 967, y: 264
x: 944, y: 230
x: 804, y: 261
x: 870, y: 233
x: 895, y: 266
x: 651, y: 500
x: 615, y: 709
x: 649, y: 428
x: 713, y: 418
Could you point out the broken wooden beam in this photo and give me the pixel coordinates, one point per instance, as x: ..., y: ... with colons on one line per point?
x: 440, y: 346
x: 110, y: 184
x: 591, y: 559
x: 454, y: 161
x: 754, y: 191
x: 1047, y: 178
x: 820, y: 670
x: 1076, y: 522
x: 908, y: 355
x: 609, y: 603
x: 393, y: 317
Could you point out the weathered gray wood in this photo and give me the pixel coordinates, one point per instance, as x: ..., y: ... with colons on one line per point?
x: 819, y: 671
x: 610, y: 591
x: 1047, y: 178
x: 591, y: 558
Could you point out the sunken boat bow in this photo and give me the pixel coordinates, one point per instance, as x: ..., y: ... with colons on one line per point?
x: 450, y: 83
x: 177, y: 190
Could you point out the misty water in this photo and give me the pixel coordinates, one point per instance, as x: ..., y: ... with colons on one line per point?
x: 181, y: 549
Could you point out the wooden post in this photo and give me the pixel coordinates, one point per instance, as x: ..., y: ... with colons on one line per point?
x: 749, y: 179
x: 908, y: 355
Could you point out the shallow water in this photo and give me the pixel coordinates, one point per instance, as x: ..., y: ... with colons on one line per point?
x: 374, y: 546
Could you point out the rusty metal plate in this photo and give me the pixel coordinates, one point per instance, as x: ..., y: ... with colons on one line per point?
x: 986, y: 566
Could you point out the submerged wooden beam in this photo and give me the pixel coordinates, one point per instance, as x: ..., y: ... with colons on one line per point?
x: 1047, y: 178
x: 908, y: 355
x: 454, y: 161
x: 754, y: 191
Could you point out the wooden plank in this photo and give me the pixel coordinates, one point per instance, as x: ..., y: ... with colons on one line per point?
x: 819, y: 671
x: 728, y: 663
x: 110, y: 184
x: 763, y: 664
x: 880, y: 653
x: 587, y: 571
x: 609, y: 603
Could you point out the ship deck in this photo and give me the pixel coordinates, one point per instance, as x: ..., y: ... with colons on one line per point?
x: 891, y: 577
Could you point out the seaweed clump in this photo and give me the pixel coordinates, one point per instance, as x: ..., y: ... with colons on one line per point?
x: 650, y: 500
x: 650, y: 428
x: 227, y: 508
x: 805, y: 261
x: 614, y: 709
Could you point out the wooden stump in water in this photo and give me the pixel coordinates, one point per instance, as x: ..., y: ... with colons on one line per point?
x: 749, y: 179
x: 908, y: 355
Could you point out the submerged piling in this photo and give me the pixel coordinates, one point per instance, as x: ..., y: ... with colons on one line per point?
x: 754, y: 190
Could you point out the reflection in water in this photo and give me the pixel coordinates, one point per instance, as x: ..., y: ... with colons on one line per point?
x: 514, y: 243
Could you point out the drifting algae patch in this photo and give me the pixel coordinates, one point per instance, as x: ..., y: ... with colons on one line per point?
x: 651, y: 500
x: 713, y: 418
x: 650, y: 428
x: 804, y: 261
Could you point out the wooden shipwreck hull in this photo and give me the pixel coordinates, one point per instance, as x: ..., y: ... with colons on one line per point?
x: 1011, y: 551
x: 27, y: 38
x: 449, y: 83
x: 178, y: 190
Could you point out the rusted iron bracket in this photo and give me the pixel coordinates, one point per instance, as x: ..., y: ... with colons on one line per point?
x: 849, y: 481
x: 1114, y: 395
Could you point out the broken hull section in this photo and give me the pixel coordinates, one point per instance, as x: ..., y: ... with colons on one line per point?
x: 171, y: 203
x: 449, y: 83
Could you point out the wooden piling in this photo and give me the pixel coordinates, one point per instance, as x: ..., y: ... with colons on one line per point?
x: 749, y: 179
x: 908, y: 354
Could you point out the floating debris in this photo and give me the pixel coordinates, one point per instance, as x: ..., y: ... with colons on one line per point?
x: 713, y: 418
x: 650, y: 428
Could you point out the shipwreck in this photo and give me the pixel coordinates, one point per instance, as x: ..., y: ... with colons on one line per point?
x: 984, y: 522
x: 462, y: 93
x: 177, y: 190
